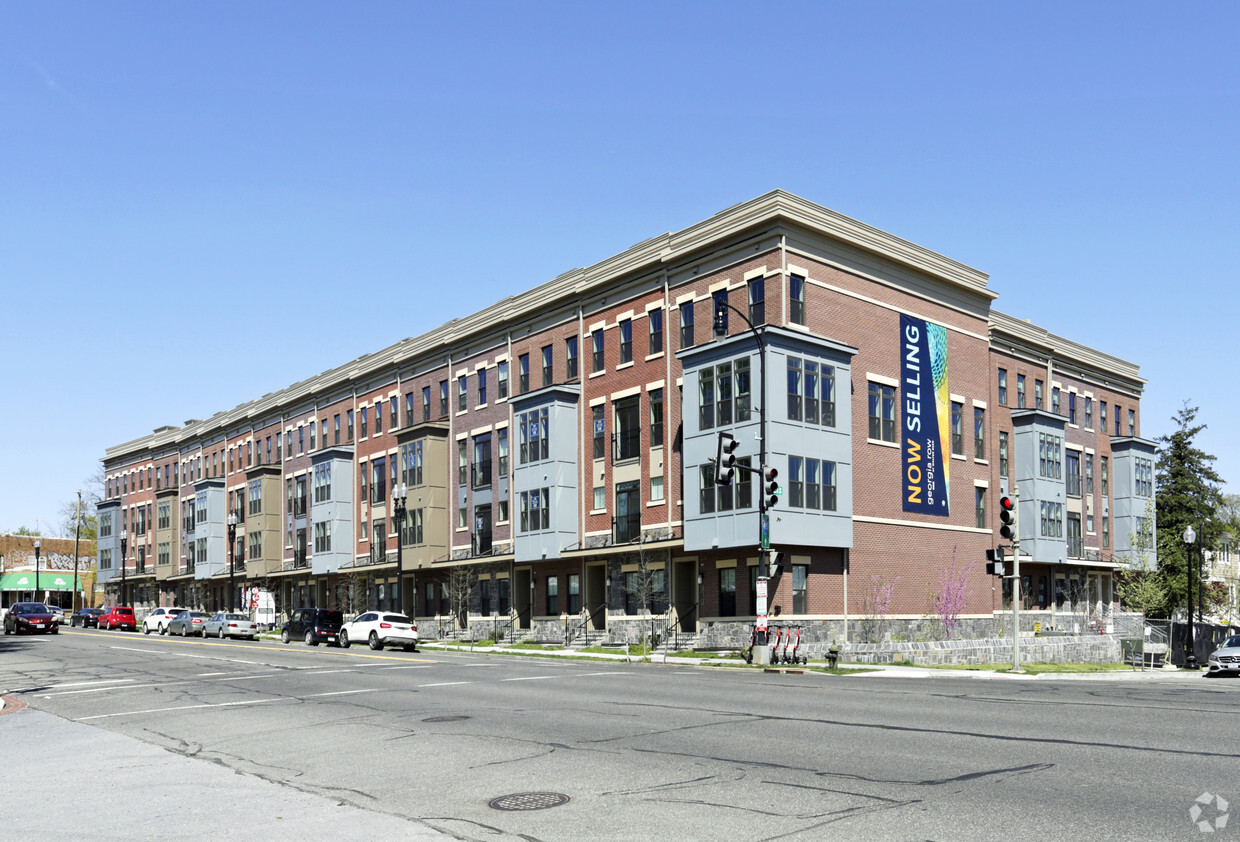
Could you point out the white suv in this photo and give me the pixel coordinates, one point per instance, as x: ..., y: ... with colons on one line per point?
x: 158, y: 620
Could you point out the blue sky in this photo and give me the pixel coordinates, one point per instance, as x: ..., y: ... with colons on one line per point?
x: 204, y: 202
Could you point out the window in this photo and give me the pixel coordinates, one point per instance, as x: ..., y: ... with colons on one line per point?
x: 1132, y: 422
x: 1117, y: 414
x: 727, y: 592
x: 574, y: 593
x: 979, y: 507
x: 1072, y: 469
x: 596, y: 354
x: 322, y: 482
x: 1089, y: 475
x: 535, y: 510
x: 462, y: 462
x: 655, y: 317
x: 706, y: 488
x: 686, y: 325
x: 414, y: 527
x: 523, y: 373
x: 408, y: 410
x: 957, y: 428
x: 443, y: 398
x: 501, y: 379
x: 553, y: 595
x: 628, y: 429
x: 411, y: 463
x: 1143, y: 476
x: 796, y: 296
x: 1089, y: 412
x: 979, y: 433
x: 882, y: 412
x: 570, y: 358
x: 1104, y: 477
x: 1106, y: 531
x: 1050, y: 519
x: 598, y: 430
x: 533, y: 439
x: 256, y: 497
x: 1071, y: 407
x: 378, y: 483
x: 323, y: 536
x: 1003, y: 453
x: 757, y: 301
x: 547, y: 375
x: 1003, y: 386
x: 723, y: 392
x: 626, y: 341
x: 378, y: 421
x: 600, y: 498
x: 1049, y: 450
x: 426, y: 403
x: 656, y: 489
x: 1055, y: 399
x: 1037, y: 394
x: 656, y: 417
x: 794, y: 389
x: 482, y: 386
x: 362, y: 428
x: 1102, y: 416
x: 391, y: 415
x: 800, y: 589
x: 301, y: 435
x: 1020, y: 391
x: 481, y: 471
x: 811, y: 484
x: 1076, y: 547
x: 462, y: 394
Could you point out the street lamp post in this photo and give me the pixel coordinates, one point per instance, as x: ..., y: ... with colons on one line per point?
x: 1190, y: 535
x: 124, y: 549
x: 37, y: 545
x: 720, y: 327
x: 232, y: 545
x: 77, y: 540
x: 398, y: 513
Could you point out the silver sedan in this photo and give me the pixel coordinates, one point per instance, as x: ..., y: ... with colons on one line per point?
x: 224, y: 625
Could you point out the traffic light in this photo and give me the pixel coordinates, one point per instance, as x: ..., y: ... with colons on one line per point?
x: 994, y: 562
x: 1007, y: 518
x: 725, y: 459
x: 770, y: 486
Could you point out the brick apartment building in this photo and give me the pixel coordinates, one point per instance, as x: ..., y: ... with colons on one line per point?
x: 556, y: 450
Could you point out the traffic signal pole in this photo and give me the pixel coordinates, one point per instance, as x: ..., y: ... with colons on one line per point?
x: 1010, y: 528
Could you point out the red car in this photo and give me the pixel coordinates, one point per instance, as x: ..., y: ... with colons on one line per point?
x: 118, y: 617
x: 32, y: 617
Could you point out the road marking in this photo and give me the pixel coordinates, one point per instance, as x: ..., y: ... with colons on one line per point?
x: 90, y: 683
x: 532, y: 678
x: 403, y: 667
x: 183, y: 707
x: 342, y: 693
x: 209, y: 674
x: 444, y: 684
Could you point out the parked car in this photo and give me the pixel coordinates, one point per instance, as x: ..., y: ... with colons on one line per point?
x: 187, y: 623
x: 58, y: 613
x: 1226, y: 659
x: 86, y: 617
x: 379, y: 629
x: 224, y: 624
x: 31, y: 618
x: 118, y: 617
x: 313, y: 625
x: 158, y: 620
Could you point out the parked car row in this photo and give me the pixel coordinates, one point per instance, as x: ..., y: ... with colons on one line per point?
x: 378, y: 629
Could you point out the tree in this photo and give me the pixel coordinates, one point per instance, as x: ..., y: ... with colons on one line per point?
x: 460, y: 594
x: 1188, y: 495
x: 645, y: 586
x: 951, y: 596
x: 1138, y: 584
x: 71, y: 513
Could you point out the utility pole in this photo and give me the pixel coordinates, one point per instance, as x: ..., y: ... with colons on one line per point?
x: 77, y: 540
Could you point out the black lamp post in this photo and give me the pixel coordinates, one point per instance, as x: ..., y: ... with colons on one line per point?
x: 720, y: 326
x: 398, y: 512
x: 37, y: 545
x: 1190, y: 535
x: 124, y: 549
x: 77, y: 539
x: 232, y: 544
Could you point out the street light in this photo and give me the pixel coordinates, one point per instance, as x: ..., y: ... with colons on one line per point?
x: 37, y: 545
x: 398, y: 512
x: 1190, y: 662
x: 720, y: 326
x: 232, y: 543
x: 124, y: 548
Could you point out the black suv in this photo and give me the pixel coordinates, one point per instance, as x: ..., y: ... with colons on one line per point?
x: 313, y: 625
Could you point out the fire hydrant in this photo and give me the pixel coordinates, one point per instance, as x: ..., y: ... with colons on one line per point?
x: 833, y: 656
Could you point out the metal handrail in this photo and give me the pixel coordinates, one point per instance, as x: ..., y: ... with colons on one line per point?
x: 510, y: 625
x: 678, y: 626
x: 571, y: 629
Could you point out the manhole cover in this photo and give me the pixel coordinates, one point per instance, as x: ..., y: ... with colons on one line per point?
x: 445, y: 719
x: 528, y: 801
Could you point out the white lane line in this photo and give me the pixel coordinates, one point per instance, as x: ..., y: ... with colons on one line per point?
x: 589, y: 674
x: 91, y: 683
x: 157, y: 684
x: 342, y: 693
x: 444, y: 684
x: 534, y: 678
x: 209, y: 674
x: 200, y: 657
x: 482, y: 665
x: 410, y: 667
x: 183, y: 707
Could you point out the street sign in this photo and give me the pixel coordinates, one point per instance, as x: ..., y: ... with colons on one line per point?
x: 766, y: 531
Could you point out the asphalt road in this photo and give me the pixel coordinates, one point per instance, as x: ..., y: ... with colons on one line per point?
x: 654, y: 752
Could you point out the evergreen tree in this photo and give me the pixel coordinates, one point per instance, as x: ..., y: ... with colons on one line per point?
x: 1188, y: 495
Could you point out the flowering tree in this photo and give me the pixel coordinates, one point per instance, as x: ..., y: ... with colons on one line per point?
x: 950, y: 597
x: 877, y: 606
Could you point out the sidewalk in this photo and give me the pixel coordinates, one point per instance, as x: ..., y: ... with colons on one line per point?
x: 139, y: 791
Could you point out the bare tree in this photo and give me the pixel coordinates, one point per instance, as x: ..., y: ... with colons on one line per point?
x: 460, y: 586
x: 646, y: 586
x: 71, y: 514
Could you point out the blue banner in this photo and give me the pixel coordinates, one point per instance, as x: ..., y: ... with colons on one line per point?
x: 926, y: 421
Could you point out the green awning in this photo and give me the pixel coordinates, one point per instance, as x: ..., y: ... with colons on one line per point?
x: 49, y: 580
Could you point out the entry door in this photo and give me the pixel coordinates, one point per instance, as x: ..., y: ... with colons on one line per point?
x: 596, y: 595
x: 523, y: 597
x: 685, y: 594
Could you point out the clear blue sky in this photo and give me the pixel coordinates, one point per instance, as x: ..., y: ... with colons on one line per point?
x: 204, y: 202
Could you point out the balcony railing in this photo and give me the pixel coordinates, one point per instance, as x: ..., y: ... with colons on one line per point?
x: 626, y: 528
x: 480, y: 543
